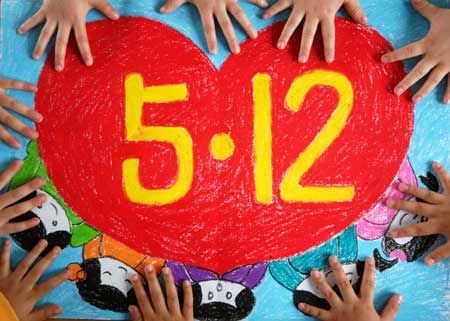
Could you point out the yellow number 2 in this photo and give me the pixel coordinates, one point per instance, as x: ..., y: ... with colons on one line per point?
x: 135, y: 97
x: 291, y: 189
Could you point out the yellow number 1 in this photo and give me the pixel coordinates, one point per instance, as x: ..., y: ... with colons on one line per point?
x: 135, y: 97
x: 291, y: 190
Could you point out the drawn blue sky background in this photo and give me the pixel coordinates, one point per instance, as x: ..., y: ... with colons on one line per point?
x: 425, y: 289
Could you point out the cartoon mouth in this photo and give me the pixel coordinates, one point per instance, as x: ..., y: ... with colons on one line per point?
x: 398, y: 254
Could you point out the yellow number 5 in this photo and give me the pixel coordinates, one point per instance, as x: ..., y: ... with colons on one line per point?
x: 135, y: 97
x: 291, y: 189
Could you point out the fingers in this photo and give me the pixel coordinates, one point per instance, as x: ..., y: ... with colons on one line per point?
x: 291, y: 24
x: 9, y: 172
x: 425, y: 8
x: 8, y: 138
x: 442, y: 252
x: 390, y: 311
x: 227, y: 28
x: 5, y: 258
x: 355, y: 11
x: 418, y: 208
x: 410, y: 51
x: 331, y: 296
x: 447, y: 93
x: 19, y: 126
x: 18, y: 107
x: 261, y: 3
x: 276, y: 8
x: 188, y: 304
x: 342, y: 281
x: 135, y: 313
x: 38, y: 270
x: 171, y: 5
x: 444, y: 177
x: 45, y: 313
x: 418, y: 72
x: 83, y: 43
x: 35, y: 20
x: 422, y: 229
x: 62, y: 39
x: 209, y: 29
x: 171, y: 290
x: 432, y: 82
x: 424, y: 194
x: 156, y: 294
x: 328, y: 35
x: 44, y: 38
x: 309, y: 31
x: 20, y: 192
x: 11, y: 228
x: 243, y: 20
x: 108, y: 10
x: 368, y: 281
x: 16, y: 84
x: 142, y: 298
x: 26, y: 263
x: 317, y: 313
x: 46, y: 287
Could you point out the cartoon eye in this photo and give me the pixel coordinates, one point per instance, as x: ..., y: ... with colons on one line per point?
x: 128, y: 281
x: 40, y: 207
x: 108, y: 273
x: 55, y: 223
x: 210, y: 295
x: 123, y: 269
x: 229, y: 295
x: 219, y: 287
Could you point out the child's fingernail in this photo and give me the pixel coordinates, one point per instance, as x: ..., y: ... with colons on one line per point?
x: 315, y: 274
x: 135, y: 278
x: 253, y: 33
x: 430, y: 262
x: 236, y: 49
x: 301, y: 306
x: 437, y: 164
x: 447, y: 102
x: 333, y: 259
x: 417, y: 99
x: 371, y: 261
x: 399, y: 299
x: 35, y: 221
x: 302, y: 58
x: 36, y: 56
x: 281, y: 44
x: 384, y: 59
x: 393, y: 234
x: 56, y: 251
x: 265, y: 16
x: 7, y: 242
x: 58, y: 68
x: 165, y: 271
x: 115, y: 15
x: 402, y: 187
x: 149, y: 268
x: 43, y: 243
x: 329, y: 59
x: 39, y: 117
x: 399, y: 90
x: 186, y: 283
x: 57, y: 310
x: 20, y: 31
x: 365, y: 20
x: 89, y: 61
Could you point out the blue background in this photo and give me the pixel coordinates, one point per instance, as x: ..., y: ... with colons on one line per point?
x: 425, y: 290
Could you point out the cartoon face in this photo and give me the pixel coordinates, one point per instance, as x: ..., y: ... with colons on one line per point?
x: 54, y: 225
x: 222, y: 300
x: 406, y: 249
x: 308, y: 292
x: 116, y: 274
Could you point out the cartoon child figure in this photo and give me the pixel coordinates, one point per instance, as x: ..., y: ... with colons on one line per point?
x: 294, y: 273
x: 103, y: 278
x: 227, y: 297
x: 382, y: 219
x: 58, y: 224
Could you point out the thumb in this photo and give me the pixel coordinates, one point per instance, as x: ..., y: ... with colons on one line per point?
x: 261, y: 3
x: 391, y: 309
x: 45, y: 313
x: 425, y: 8
x: 171, y: 5
x: 355, y: 11
x: 104, y: 7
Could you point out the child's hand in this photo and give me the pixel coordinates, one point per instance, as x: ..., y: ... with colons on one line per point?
x: 10, y: 210
x: 156, y: 308
x: 313, y: 13
x: 210, y: 9
x: 437, y: 210
x: 65, y: 16
x: 8, y: 104
x: 20, y: 286
x: 434, y: 49
x: 350, y: 306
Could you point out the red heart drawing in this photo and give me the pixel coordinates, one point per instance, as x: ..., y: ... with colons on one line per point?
x: 214, y: 218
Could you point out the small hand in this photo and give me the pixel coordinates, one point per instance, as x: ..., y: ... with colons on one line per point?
x: 8, y: 104
x: 350, y: 306
x: 8, y: 207
x: 219, y: 9
x: 435, y: 52
x: 436, y: 208
x: 153, y: 307
x: 313, y: 13
x: 65, y: 16
x: 20, y: 286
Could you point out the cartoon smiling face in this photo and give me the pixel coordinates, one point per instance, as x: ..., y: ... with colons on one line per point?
x: 54, y: 224
x: 116, y: 274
